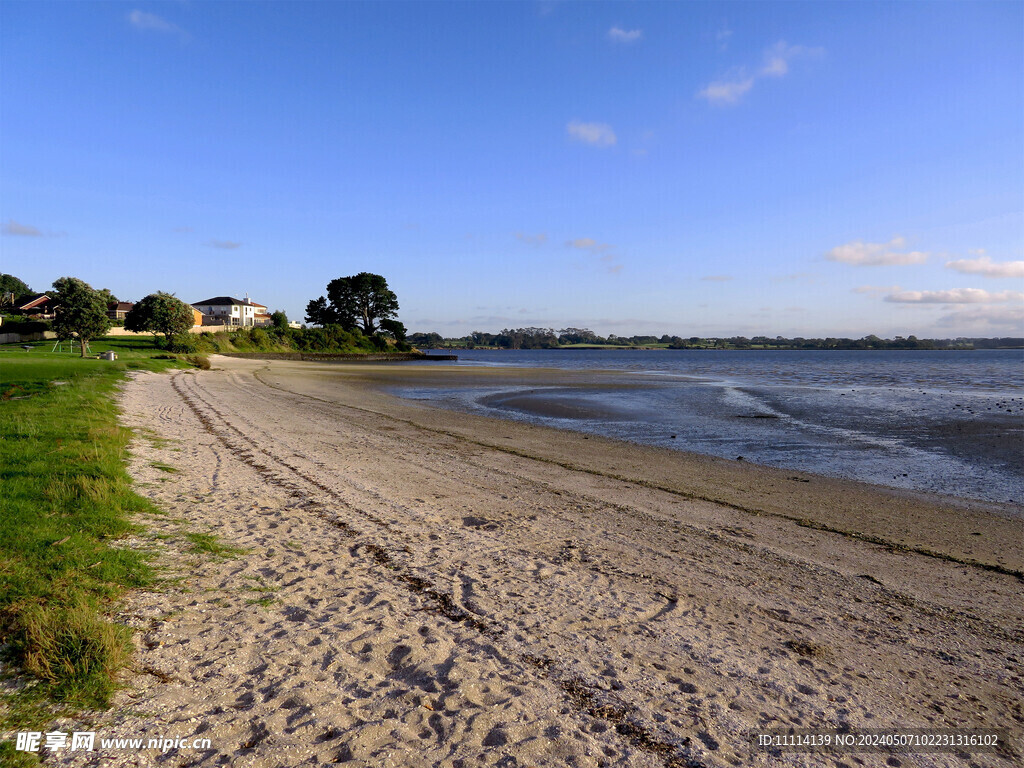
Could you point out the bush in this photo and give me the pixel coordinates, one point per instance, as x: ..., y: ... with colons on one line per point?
x: 74, y: 650
x: 202, y: 362
x: 183, y: 343
x: 24, y: 326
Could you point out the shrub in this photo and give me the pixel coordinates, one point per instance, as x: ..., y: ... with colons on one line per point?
x: 74, y: 650
x: 259, y: 338
x: 183, y: 343
x: 24, y: 326
x: 202, y: 362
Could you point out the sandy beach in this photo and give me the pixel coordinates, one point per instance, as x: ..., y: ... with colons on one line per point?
x: 416, y: 587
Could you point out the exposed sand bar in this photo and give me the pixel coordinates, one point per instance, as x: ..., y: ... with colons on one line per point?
x: 454, y: 590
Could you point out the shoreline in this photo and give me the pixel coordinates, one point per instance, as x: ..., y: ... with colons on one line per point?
x: 899, y: 517
x: 421, y: 588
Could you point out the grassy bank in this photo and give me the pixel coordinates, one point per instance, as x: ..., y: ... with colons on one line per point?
x: 327, y: 340
x: 65, y: 500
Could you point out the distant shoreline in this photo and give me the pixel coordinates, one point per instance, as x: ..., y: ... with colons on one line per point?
x: 625, y: 348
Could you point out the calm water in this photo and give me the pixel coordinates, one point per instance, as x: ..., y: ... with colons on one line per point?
x: 948, y: 422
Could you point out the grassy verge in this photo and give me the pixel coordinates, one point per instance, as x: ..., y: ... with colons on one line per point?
x: 65, y: 500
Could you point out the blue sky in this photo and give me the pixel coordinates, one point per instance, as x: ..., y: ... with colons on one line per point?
x: 684, y: 168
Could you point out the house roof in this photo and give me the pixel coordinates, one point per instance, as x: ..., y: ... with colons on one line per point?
x: 123, y: 306
x: 30, y: 301
x: 222, y: 301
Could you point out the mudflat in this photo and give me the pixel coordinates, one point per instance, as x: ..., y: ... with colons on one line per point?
x: 416, y: 587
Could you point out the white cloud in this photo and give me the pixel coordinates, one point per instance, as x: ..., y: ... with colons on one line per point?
x: 955, y: 296
x: 984, y: 266
x: 21, y: 230
x: 777, y: 58
x: 595, y: 134
x: 144, y: 20
x: 619, y: 35
x: 228, y: 245
x: 730, y: 89
x: 588, y: 244
x: 875, y: 289
x: 984, y: 321
x: 863, y: 254
x: 726, y: 91
x: 150, y: 22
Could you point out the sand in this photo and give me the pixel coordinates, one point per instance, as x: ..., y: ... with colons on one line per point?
x: 415, y: 587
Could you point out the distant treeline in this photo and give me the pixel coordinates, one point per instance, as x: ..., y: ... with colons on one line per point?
x: 548, y: 338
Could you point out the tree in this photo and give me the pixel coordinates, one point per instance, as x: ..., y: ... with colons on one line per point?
x: 279, y: 319
x: 160, y: 313
x: 393, y: 328
x: 318, y: 313
x: 80, y: 311
x: 11, y: 284
x: 110, y: 301
x: 361, y: 301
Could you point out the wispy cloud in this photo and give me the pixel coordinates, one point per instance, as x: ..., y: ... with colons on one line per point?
x: 594, y: 134
x: 876, y: 289
x: 777, y: 58
x: 535, y: 240
x: 608, y: 260
x: 182, y: 229
x: 984, y: 320
x: 588, y: 244
x: 984, y: 266
x: 722, y: 37
x: 792, y: 277
x: 955, y: 296
x: 863, y: 254
x: 21, y: 230
x: 228, y: 245
x: 153, y: 23
x: 727, y: 91
x: 730, y: 88
x: 718, y: 278
x: 619, y: 35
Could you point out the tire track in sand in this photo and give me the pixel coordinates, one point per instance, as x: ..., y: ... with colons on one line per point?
x: 584, y: 696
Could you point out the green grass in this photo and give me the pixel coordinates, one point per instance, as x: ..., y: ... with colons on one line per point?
x: 263, y: 602
x: 207, y: 542
x: 65, y: 500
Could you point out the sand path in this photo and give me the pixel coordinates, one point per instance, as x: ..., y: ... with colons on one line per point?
x: 409, y: 595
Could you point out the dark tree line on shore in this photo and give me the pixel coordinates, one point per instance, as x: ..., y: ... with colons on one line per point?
x: 549, y: 338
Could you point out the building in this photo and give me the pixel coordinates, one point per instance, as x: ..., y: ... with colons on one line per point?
x: 229, y: 311
x: 34, y: 305
x: 118, y: 310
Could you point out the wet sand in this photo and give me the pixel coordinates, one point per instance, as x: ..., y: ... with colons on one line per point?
x: 418, y: 587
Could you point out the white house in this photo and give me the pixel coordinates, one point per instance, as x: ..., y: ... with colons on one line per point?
x: 225, y: 310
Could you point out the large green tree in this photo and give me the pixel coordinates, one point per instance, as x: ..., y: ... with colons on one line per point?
x: 360, y: 301
x: 81, y: 311
x: 11, y: 284
x: 160, y: 313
